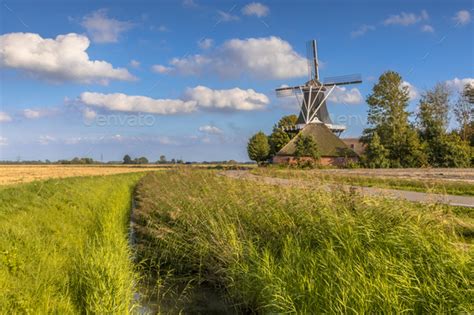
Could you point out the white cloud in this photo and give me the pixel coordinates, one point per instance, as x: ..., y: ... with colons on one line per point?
x: 427, y: 29
x: 457, y: 85
x: 209, y: 129
x: 232, y: 99
x: 161, y: 69
x: 189, y: 4
x: 205, y: 43
x: 412, y: 90
x: 4, y: 117
x: 129, y: 103
x: 89, y: 114
x: 44, y: 140
x: 59, y: 59
x: 342, y: 95
x: 226, y: 17
x: 162, y: 29
x: 31, y: 113
x: 134, y: 63
x: 103, y: 29
x: 199, y: 97
x: 406, y: 19
x: 3, y: 141
x: 256, y: 8
x: 462, y: 17
x: 267, y: 57
x: 362, y: 30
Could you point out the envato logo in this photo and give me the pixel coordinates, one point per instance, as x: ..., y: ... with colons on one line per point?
x: 137, y: 120
x: 350, y: 120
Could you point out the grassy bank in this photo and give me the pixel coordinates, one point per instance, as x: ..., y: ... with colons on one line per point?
x: 63, y: 246
x: 277, y: 249
x: 432, y: 186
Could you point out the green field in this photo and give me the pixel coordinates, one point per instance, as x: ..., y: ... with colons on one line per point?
x: 207, y: 243
x: 64, y: 246
x: 278, y: 250
x: 315, y: 176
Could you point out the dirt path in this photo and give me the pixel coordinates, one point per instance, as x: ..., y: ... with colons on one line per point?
x: 463, y: 201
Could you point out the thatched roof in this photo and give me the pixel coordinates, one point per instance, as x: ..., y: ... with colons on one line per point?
x: 328, y: 143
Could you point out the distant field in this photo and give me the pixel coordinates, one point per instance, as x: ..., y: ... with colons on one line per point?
x: 442, y: 181
x: 15, y: 174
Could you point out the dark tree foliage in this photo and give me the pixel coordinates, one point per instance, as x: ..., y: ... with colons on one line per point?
x: 306, y: 146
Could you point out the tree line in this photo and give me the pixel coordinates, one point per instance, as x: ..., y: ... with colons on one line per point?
x: 393, y: 138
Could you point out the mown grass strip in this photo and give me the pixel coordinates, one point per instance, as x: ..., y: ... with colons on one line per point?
x: 64, y: 247
x: 278, y: 250
x: 429, y: 186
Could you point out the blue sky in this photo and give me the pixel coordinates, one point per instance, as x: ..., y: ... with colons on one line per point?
x: 194, y: 79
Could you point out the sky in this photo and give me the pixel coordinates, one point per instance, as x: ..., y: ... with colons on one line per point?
x: 195, y: 79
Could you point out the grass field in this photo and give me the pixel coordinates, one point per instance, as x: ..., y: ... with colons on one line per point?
x: 64, y: 246
x: 15, y: 174
x: 459, y: 186
x: 277, y: 249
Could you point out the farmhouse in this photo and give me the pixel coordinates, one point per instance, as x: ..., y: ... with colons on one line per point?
x: 332, y: 149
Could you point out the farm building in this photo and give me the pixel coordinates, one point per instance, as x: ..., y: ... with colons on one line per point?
x: 332, y: 149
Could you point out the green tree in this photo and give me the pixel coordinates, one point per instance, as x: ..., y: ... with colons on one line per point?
x: 464, y: 111
x: 142, y: 160
x: 455, y: 151
x: 258, y: 147
x: 306, y: 146
x: 388, y: 117
x: 162, y: 159
x: 278, y: 139
x: 376, y: 155
x: 127, y: 159
x: 287, y: 121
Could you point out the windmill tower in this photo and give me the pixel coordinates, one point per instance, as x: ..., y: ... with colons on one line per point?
x: 313, y: 94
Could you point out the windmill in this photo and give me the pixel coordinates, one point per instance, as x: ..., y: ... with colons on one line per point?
x: 314, y: 93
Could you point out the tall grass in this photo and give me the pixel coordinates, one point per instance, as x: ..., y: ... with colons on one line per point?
x: 284, y: 250
x: 63, y: 246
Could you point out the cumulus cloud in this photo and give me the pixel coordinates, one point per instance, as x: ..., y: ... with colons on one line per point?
x: 256, y: 8
x: 205, y: 43
x: 59, y: 59
x: 232, y: 99
x: 267, y: 57
x: 405, y: 19
x: 344, y: 96
x: 362, y: 30
x: 457, y: 85
x: 89, y: 114
x: 161, y: 69
x: 196, y: 98
x: 427, y: 29
x: 103, y: 29
x: 462, y: 17
x: 412, y: 90
x: 209, y: 129
x: 130, y: 103
x: 4, y: 117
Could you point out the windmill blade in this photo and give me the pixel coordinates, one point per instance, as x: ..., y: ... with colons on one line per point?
x: 312, y: 58
x: 343, y: 80
x: 288, y: 90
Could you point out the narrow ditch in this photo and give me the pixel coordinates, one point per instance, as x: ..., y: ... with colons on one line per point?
x: 153, y: 296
